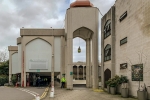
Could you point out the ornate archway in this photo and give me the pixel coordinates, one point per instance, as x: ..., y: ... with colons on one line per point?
x: 107, y: 76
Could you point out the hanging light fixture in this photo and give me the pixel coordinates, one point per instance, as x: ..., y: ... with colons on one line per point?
x: 79, y: 49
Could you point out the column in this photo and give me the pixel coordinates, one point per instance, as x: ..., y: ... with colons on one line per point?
x: 24, y: 69
x: 69, y: 75
x: 10, y: 67
x: 27, y: 79
x: 95, y: 60
x: 83, y: 72
x: 62, y: 68
x: 90, y: 76
x: 77, y: 72
x: 52, y: 67
x: 88, y: 60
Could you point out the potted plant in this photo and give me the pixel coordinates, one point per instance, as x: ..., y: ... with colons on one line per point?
x: 108, y: 87
x: 113, y: 84
x: 119, y: 85
x: 142, y: 93
x: 124, y: 87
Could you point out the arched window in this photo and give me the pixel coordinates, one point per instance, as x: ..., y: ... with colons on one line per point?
x: 107, y: 52
x: 107, y: 29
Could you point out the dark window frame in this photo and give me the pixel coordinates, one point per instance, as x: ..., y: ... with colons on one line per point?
x: 107, y: 29
x: 123, y: 66
x: 123, y: 40
x: 123, y: 16
x: 107, y: 52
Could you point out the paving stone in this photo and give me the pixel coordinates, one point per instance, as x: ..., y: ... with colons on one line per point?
x: 84, y: 94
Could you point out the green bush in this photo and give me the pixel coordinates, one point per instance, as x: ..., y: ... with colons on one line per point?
x: 123, y: 79
x: 3, y: 79
x: 108, y: 82
x: 14, y: 79
x: 114, y: 81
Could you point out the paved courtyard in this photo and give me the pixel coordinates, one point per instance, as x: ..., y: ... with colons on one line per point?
x: 81, y: 93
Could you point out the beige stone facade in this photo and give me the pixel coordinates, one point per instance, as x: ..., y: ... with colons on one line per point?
x: 50, y: 51
x: 131, y: 22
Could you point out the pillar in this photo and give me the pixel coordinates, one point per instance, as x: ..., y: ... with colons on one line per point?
x: 52, y: 67
x: 90, y: 76
x: 95, y: 61
x: 28, y: 81
x: 83, y: 72
x: 88, y: 60
x: 77, y: 72
x: 10, y: 67
x: 62, y: 68
x: 69, y: 54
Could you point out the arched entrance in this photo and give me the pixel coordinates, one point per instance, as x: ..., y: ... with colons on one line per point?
x: 107, y: 76
x: 82, y: 23
x: 85, y: 34
x: 38, y: 59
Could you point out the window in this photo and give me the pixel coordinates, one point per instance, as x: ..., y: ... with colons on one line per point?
x: 123, y: 16
x: 107, y: 52
x: 123, y: 41
x: 123, y: 66
x: 107, y: 29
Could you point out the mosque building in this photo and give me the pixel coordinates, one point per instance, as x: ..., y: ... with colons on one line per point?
x: 125, y: 44
x: 49, y: 52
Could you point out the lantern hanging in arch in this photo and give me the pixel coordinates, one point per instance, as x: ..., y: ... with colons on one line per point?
x: 79, y: 49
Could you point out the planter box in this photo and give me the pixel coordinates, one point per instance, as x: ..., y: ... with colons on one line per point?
x: 113, y: 90
x: 119, y: 89
x: 148, y: 94
x: 142, y: 95
x: 108, y: 89
x: 125, y: 92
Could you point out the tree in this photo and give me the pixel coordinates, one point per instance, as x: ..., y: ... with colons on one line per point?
x: 3, y: 55
x: 4, y: 68
x: 4, y: 72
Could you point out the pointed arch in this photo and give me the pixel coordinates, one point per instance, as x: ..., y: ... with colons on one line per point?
x: 83, y: 32
x: 107, y: 76
x: 38, y: 38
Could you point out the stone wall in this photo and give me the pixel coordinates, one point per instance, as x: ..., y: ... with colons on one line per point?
x: 136, y: 27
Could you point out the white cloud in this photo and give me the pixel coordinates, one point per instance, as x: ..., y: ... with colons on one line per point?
x: 15, y: 14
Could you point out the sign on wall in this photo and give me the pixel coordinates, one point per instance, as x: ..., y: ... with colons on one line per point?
x: 38, y: 64
x: 137, y: 72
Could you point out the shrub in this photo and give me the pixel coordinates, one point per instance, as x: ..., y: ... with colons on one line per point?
x: 14, y: 79
x: 108, y: 82
x: 114, y: 81
x: 123, y: 79
x: 3, y: 79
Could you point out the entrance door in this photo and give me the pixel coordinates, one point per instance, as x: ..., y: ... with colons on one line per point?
x: 107, y: 76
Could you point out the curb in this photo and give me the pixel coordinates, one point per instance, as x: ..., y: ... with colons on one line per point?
x: 44, y: 94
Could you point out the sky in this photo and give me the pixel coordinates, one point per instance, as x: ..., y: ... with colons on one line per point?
x: 15, y: 14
